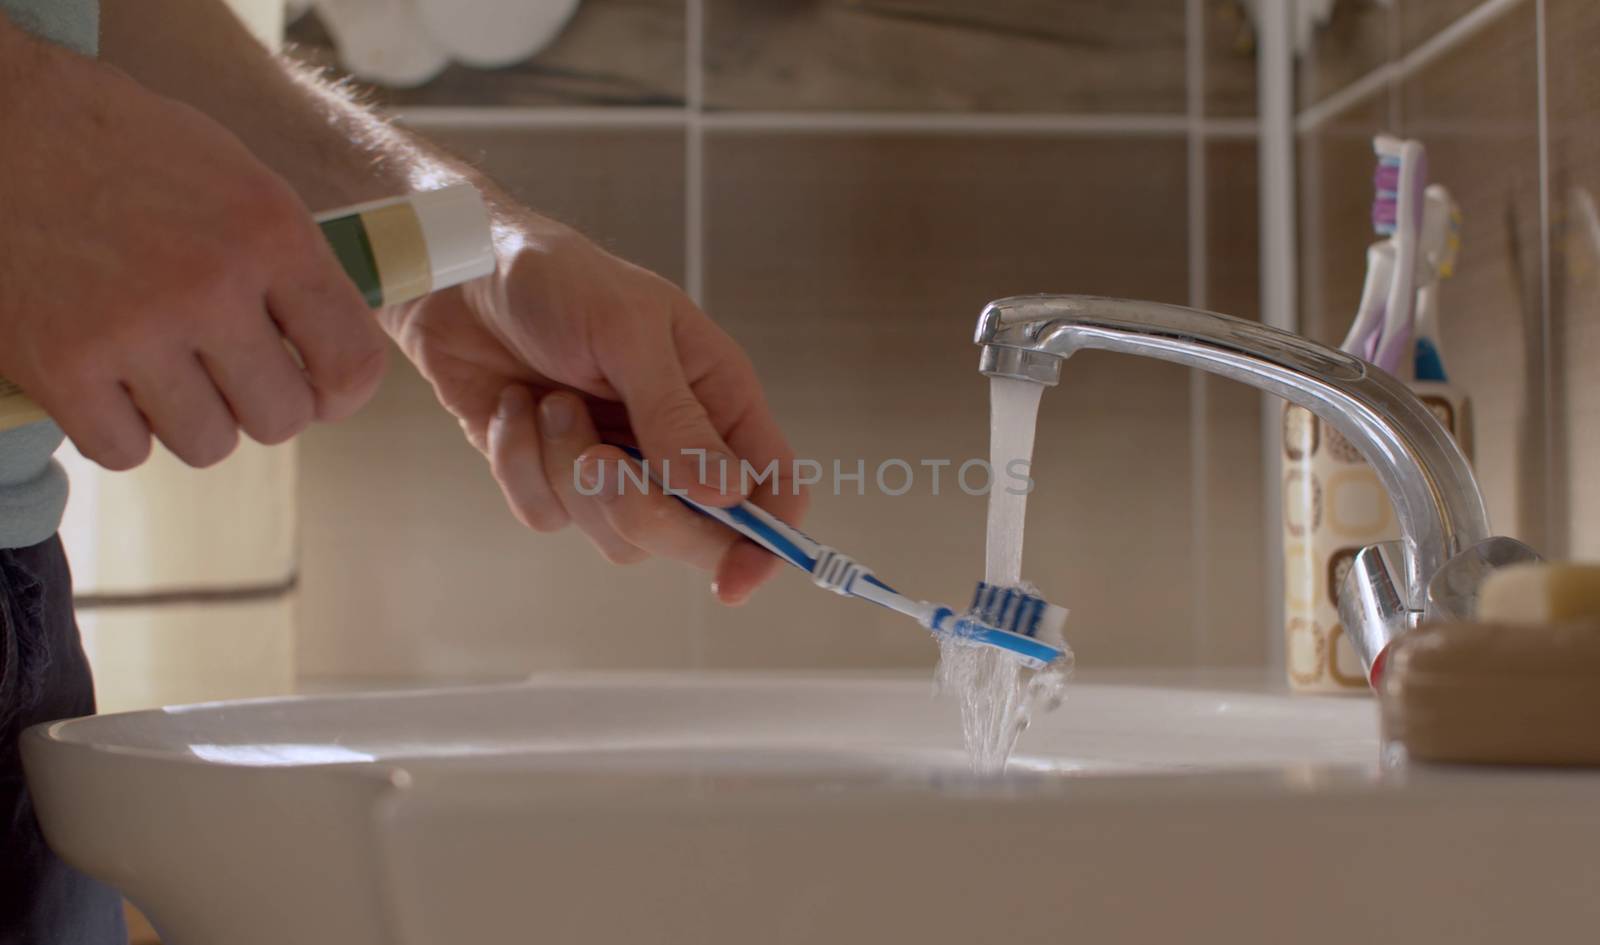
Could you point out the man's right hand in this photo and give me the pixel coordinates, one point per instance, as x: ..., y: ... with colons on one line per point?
x: 151, y: 271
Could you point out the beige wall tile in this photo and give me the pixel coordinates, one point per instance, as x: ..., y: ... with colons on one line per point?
x: 1233, y: 540
x: 1230, y: 60
x: 1358, y: 38
x: 624, y: 188
x: 1476, y: 108
x: 853, y: 269
x: 1574, y: 100
x: 1006, y: 56
x: 412, y: 564
x: 144, y: 657
x: 1421, y: 20
x: 875, y: 239
x: 612, y: 52
x: 1233, y: 249
x: 167, y: 526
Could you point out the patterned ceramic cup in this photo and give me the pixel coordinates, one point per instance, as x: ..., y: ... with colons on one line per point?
x: 1333, y: 506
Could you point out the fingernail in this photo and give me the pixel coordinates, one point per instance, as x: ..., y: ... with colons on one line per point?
x: 716, y: 592
x: 592, y: 477
x: 513, y: 402
x: 555, y: 416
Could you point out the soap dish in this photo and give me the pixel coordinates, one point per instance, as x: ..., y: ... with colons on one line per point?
x: 1486, y: 693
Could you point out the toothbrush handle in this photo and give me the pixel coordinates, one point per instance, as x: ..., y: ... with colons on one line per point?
x: 827, y: 567
x: 766, y: 530
x: 753, y: 522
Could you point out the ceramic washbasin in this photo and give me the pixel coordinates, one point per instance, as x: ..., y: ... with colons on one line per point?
x: 718, y: 809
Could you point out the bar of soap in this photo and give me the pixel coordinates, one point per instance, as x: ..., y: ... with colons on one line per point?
x: 1495, y: 693
x: 1541, y: 594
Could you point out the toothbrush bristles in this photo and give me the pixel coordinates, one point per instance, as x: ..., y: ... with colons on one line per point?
x: 1008, y: 608
x: 1385, y: 214
x: 1017, y: 610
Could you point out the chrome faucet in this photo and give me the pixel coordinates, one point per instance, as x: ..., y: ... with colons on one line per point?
x: 1433, y: 572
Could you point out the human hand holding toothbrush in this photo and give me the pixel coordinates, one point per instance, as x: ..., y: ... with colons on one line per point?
x: 567, y: 348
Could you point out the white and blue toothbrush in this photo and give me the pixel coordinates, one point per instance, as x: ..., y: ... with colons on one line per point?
x: 1025, y: 617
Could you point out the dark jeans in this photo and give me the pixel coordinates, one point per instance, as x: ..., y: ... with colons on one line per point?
x: 43, y: 677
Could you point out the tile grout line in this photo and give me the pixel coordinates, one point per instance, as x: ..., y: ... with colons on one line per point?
x: 1279, y: 294
x: 1199, y: 460
x: 518, y: 117
x: 968, y: 122
x: 1018, y: 123
x: 1395, y: 107
x: 1552, y: 524
x: 694, y: 158
x: 1464, y: 27
x: 1316, y: 115
x: 694, y: 243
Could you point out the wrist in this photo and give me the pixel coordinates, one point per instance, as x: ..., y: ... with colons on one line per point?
x: 532, y: 255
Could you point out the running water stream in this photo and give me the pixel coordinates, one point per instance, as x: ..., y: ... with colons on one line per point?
x: 998, y: 695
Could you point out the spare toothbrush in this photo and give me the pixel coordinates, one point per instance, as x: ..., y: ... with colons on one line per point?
x: 1362, y: 339
x: 1400, y: 180
x: 1436, y: 261
x: 1021, y: 623
x: 394, y: 250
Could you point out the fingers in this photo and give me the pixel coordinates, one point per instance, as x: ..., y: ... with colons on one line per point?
x: 268, y: 393
x: 669, y: 419
x: 322, y: 313
x: 104, y: 425
x: 647, y: 517
x: 516, y: 461
x: 184, y: 409
x: 627, y: 517
x: 754, y: 434
x: 566, y: 431
x: 745, y: 566
x: 667, y: 382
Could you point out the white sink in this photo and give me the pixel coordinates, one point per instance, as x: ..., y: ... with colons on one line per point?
x: 776, y: 810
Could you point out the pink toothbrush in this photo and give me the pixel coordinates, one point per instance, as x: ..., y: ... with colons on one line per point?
x: 1400, y: 182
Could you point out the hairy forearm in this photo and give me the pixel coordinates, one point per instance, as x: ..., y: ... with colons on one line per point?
x: 333, y: 150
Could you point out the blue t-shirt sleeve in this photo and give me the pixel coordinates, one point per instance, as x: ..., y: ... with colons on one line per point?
x: 74, y: 24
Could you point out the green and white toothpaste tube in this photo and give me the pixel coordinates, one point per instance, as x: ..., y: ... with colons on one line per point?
x: 394, y: 250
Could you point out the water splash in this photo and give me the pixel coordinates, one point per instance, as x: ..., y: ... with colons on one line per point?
x: 998, y: 695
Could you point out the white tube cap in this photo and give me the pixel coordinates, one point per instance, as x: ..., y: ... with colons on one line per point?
x: 455, y: 224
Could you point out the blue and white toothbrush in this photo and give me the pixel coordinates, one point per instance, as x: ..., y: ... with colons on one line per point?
x: 1022, y: 618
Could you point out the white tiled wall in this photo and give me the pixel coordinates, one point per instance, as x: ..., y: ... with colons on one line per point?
x: 850, y: 252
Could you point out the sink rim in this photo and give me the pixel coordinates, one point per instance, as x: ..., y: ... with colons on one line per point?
x: 140, y: 734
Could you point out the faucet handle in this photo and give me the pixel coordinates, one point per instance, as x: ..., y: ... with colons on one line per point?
x: 1453, y: 592
x: 1372, y: 606
x: 1373, y: 610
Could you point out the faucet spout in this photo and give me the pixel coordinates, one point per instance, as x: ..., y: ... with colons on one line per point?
x: 1435, y: 497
